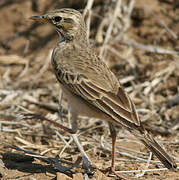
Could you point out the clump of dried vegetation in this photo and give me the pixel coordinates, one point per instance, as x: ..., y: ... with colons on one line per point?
x: 138, y: 40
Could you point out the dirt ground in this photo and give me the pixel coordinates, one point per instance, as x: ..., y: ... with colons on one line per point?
x: 139, y: 40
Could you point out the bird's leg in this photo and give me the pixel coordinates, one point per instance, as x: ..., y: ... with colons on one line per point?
x: 73, y: 125
x: 60, y: 105
x: 112, y: 168
x: 113, y: 136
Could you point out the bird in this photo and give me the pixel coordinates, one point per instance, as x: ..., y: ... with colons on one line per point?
x: 90, y: 87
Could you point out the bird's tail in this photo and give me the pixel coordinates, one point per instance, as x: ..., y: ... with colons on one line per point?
x: 155, y: 148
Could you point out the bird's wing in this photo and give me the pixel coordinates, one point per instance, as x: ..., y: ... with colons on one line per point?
x: 102, y: 91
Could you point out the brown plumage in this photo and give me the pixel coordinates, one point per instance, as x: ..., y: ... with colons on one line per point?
x: 91, y: 88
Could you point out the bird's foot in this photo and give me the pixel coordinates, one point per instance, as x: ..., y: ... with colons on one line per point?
x: 109, y: 171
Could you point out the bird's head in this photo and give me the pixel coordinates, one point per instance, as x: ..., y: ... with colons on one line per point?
x: 68, y: 22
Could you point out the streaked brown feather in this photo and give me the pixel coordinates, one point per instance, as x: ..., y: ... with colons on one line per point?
x: 115, y: 102
x: 118, y: 105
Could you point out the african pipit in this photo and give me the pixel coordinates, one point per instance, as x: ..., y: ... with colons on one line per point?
x: 90, y: 87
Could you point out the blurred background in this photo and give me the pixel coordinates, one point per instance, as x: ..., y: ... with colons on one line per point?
x: 139, y: 41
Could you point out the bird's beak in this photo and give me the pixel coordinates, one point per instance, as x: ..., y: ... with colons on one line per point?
x: 39, y: 19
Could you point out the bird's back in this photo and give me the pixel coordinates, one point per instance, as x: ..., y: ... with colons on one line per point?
x: 80, y: 60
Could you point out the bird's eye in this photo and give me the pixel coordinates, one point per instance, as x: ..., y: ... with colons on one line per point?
x: 57, y: 19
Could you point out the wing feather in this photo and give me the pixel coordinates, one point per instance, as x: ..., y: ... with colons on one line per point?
x: 119, y: 103
x: 116, y: 104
